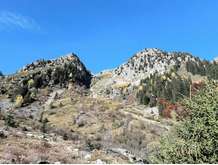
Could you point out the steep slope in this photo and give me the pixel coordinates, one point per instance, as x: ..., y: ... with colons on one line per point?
x: 122, y: 79
x: 57, y: 120
x: 53, y: 116
x: 24, y: 85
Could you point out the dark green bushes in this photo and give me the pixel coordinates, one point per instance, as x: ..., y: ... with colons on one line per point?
x: 169, y: 86
x: 212, y: 71
x: 194, y: 140
x: 196, y: 68
x: 10, y: 120
x: 203, y: 68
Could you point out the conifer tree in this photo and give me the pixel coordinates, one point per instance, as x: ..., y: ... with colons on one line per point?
x: 194, y: 140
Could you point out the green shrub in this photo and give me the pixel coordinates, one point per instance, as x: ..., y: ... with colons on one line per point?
x: 9, y: 120
x: 30, y: 83
x: 169, y: 86
x: 194, y: 140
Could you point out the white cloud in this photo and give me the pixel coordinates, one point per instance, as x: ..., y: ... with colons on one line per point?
x: 14, y: 20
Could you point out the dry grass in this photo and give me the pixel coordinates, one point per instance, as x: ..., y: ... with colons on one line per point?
x: 25, y: 150
x: 105, y: 75
x: 107, y: 123
x: 121, y: 86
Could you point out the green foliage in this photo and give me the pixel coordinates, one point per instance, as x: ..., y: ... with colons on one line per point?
x: 170, y: 86
x: 194, y: 140
x: 93, y: 145
x: 212, y: 71
x: 44, y: 125
x: 28, y: 86
x: 204, y: 68
x: 9, y: 120
x: 196, y: 68
x: 31, y: 83
x: 20, y: 90
x: 142, y: 97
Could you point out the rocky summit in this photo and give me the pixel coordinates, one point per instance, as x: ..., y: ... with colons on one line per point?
x: 143, y: 64
x: 56, y: 111
x: 45, y: 73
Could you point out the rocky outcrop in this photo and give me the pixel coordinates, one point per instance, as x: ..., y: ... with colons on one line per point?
x: 67, y: 67
x: 45, y: 73
x: 121, y: 80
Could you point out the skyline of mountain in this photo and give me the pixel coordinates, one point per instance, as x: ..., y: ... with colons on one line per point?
x: 104, y: 34
x: 125, y: 60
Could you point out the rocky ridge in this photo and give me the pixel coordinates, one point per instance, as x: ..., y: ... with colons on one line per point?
x: 66, y: 116
x: 45, y: 73
x: 111, y: 83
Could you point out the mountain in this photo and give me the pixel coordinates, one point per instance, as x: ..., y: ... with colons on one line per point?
x: 45, y: 73
x: 56, y: 111
x: 125, y: 77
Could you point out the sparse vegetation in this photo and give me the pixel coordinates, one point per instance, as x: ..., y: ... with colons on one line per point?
x: 59, y: 119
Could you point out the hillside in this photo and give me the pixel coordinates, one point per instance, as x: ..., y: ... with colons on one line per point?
x: 122, y: 80
x: 55, y: 111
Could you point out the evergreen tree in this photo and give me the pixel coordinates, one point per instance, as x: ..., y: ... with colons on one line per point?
x: 194, y: 140
x: 9, y: 120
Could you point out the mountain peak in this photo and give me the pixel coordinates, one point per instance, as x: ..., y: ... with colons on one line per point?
x: 42, y: 63
x: 149, y: 51
x: 153, y: 50
x: 140, y: 66
x: 47, y: 73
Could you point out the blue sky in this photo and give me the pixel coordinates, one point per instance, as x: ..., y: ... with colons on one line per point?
x: 104, y: 33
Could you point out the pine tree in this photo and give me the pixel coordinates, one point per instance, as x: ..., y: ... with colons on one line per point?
x: 194, y: 140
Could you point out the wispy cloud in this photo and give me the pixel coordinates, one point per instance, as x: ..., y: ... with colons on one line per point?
x: 15, y: 20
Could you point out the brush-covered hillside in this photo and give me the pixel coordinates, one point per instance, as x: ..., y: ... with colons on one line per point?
x: 56, y: 111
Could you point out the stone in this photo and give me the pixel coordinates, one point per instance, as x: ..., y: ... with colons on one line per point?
x: 99, y: 161
x: 3, y: 134
x: 87, y: 156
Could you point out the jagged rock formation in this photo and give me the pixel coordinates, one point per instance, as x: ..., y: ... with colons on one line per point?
x: 143, y: 64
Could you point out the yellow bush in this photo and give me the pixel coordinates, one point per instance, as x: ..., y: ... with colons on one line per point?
x: 30, y: 83
x: 105, y: 75
x: 163, y: 77
x: 33, y: 95
x: 122, y: 85
x: 19, y: 101
x: 24, y: 73
x: 173, y: 75
x: 141, y: 88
